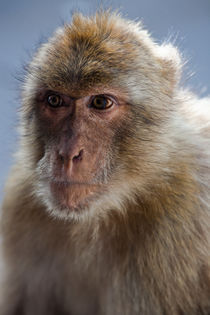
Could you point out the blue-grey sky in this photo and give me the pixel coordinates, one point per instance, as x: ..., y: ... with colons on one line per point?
x: 24, y: 23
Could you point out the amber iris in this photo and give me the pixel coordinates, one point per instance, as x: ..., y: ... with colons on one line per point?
x: 101, y: 102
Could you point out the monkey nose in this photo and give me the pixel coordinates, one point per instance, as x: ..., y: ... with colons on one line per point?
x: 74, y: 156
x: 71, y: 161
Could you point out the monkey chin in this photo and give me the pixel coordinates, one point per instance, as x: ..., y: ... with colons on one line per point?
x: 68, y: 200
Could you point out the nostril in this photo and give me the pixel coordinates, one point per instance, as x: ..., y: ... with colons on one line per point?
x: 78, y: 157
x: 61, y: 156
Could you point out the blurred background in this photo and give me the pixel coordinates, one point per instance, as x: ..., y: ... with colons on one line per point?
x: 24, y: 23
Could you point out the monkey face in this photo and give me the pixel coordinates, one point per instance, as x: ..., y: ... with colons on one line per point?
x: 79, y: 146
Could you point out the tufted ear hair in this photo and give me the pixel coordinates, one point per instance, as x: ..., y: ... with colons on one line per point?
x: 171, y: 63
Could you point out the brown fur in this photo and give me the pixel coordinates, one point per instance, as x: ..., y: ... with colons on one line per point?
x: 142, y: 245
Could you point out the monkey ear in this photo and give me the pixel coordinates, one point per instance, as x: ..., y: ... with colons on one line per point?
x: 171, y: 63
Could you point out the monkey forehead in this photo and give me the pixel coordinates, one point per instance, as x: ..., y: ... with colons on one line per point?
x: 92, y: 51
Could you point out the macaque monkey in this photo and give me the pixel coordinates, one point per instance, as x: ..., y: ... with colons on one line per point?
x: 107, y: 208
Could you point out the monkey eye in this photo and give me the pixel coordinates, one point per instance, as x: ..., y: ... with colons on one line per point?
x: 101, y: 102
x: 54, y: 100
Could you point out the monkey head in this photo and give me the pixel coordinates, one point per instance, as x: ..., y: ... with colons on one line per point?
x: 95, y: 99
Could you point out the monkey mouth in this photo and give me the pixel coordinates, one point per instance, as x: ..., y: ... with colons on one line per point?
x: 69, y: 183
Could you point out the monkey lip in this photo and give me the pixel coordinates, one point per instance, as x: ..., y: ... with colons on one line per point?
x: 68, y: 183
